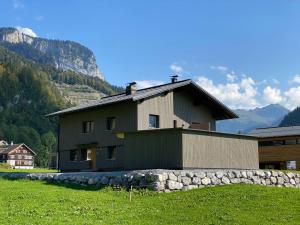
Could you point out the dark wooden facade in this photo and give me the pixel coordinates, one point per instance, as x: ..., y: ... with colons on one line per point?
x: 152, y: 128
x: 281, y: 152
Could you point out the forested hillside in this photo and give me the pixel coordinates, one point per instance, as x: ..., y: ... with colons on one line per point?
x: 291, y: 119
x: 27, y: 94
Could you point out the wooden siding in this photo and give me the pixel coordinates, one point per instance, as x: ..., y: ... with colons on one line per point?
x: 161, y: 105
x: 67, y: 165
x: 153, y: 149
x: 172, y: 106
x: 280, y: 153
x: 71, y: 136
x: 184, y: 148
x: 217, y: 150
x: 186, y: 112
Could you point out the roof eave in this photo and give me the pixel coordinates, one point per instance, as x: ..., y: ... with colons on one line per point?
x: 229, y: 113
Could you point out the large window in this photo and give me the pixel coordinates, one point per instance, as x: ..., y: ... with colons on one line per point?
x: 87, y: 126
x: 86, y: 154
x: 111, y: 123
x: 291, y: 142
x: 73, y: 155
x: 111, y: 153
x: 278, y: 142
x: 153, y: 121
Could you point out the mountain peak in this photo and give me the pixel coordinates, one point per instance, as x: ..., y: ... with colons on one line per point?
x: 65, y: 55
x: 266, y: 116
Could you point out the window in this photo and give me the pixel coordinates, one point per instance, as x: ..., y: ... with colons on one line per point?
x: 87, y: 126
x: 291, y: 142
x: 12, y: 156
x: 291, y: 165
x: 271, y: 143
x: 111, y: 153
x: 111, y: 123
x: 86, y: 154
x: 19, y: 156
x: 73, y: 155
x: 153, y: 121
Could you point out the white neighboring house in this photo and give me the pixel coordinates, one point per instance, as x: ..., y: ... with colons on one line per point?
x: 19, y: 156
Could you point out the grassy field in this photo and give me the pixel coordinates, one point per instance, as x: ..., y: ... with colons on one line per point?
x: 36, y: 202
x: 37, y: 170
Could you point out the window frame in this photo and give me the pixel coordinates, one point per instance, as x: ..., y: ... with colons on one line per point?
x: 111, y: 123
x: 113, y: 154
x: 85, y: 154
x: 75, y: 152
x: 156, y: 121
x: 87, y: 127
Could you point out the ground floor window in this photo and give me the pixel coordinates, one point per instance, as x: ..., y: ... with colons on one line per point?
x: 73, y: 155
x: 280, y: 165
x: 111, y: 153
x: 86, y: 154
x: 291, y: 165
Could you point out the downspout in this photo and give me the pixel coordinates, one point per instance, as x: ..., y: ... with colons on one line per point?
x: 58, y: 158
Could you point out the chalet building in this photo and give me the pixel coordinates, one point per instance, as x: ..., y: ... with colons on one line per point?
x: 278, y: 147
x: 19, y: 156
x: 170, y: 126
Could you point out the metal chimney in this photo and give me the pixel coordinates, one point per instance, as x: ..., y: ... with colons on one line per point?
x: 174, y: 78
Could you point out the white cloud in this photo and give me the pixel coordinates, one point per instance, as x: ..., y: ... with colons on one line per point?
x: 272, y: 95
x: 231, y: 77
x: 18, y: 4
x: 176, y: 69
x: 236, y: 95
x: 292, y: 97
x: 296, y: 79
x: 147, y: 83
x: 26, y: 31
x: 219, y: 68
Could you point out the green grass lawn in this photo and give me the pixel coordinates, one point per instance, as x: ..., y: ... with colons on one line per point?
x: 35, y: 170
x: 37, y: 202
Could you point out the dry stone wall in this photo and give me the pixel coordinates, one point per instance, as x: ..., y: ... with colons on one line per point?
x: 168, y: 180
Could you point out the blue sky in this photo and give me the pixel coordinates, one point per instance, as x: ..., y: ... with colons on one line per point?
x: 246, y: 53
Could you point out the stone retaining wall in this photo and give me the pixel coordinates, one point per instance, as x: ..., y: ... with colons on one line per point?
x: 167, y: 180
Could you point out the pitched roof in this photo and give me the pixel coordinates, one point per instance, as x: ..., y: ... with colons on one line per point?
x: 276, y: 131
x: 149, y: 92
x: 5, y: 149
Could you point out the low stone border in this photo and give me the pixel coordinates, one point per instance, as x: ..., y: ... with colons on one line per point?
x: 167, y: 180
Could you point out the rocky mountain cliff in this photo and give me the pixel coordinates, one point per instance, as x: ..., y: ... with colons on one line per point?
x: 65, y: 55
x: 248, y: 120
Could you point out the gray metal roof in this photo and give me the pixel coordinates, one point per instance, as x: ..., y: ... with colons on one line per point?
x: 145, y: 93
x: 276, y: 131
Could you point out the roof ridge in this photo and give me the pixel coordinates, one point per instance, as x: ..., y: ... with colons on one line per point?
x: 265, y: 128
x: 143, y: 89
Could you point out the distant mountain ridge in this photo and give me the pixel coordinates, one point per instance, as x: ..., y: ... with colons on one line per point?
x: 65, y: 55
x: 292, y: 118
x: 270, y: 115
